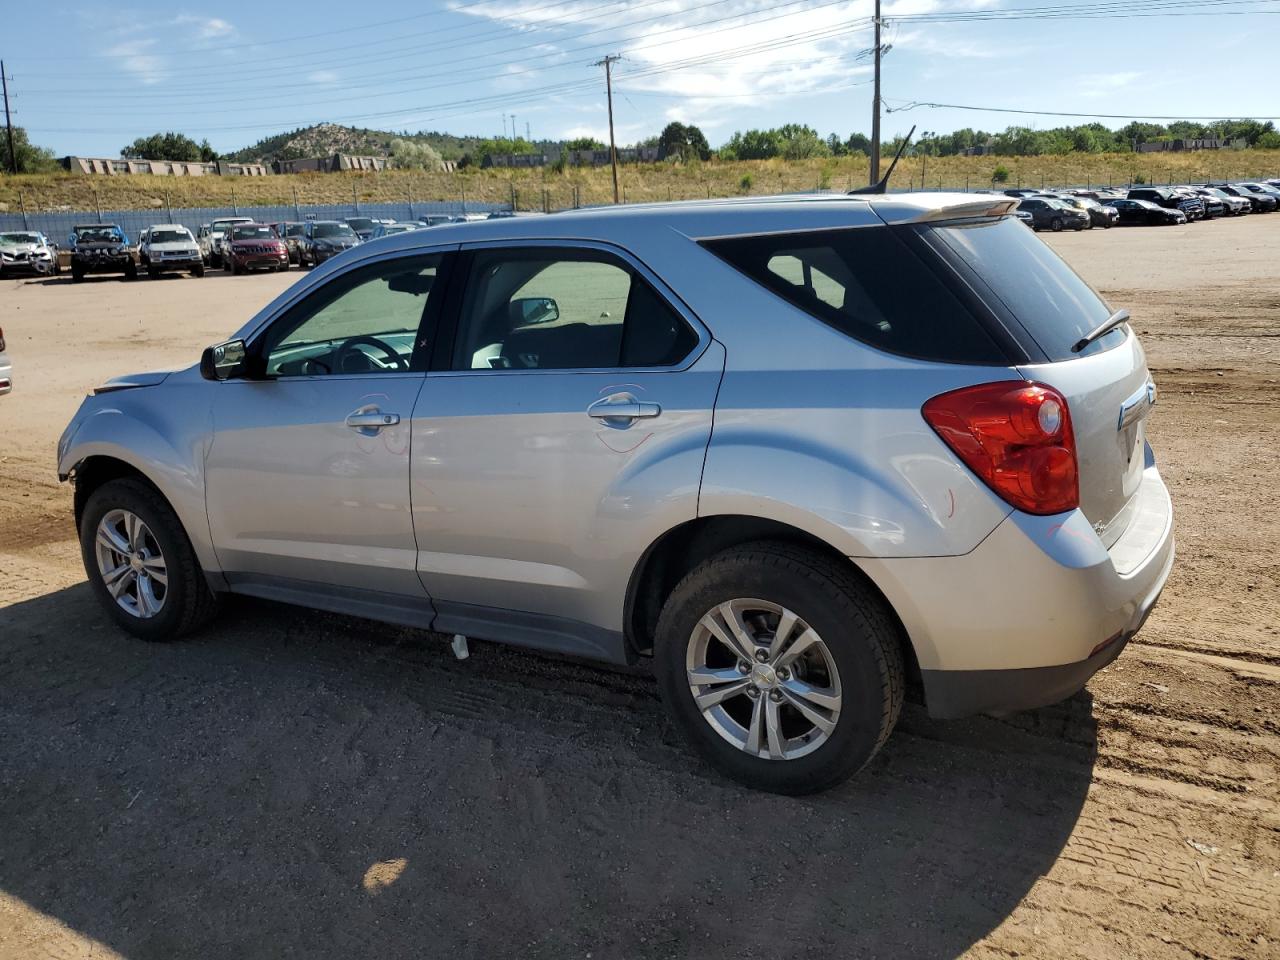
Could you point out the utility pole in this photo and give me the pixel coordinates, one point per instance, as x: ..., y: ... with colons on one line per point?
x: 607, y: 63
x: 8, y: 119
x: 875, y: 108
x: 513, y: 128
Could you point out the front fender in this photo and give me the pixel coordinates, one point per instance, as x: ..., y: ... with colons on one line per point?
x: 161, y: 442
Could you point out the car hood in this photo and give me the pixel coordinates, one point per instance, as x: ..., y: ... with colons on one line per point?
x: 134, y: 380
x: 99, y: 244
x: 22, y: 247
x: 173, y: 245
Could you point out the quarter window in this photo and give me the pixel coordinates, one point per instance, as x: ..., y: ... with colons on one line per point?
x: 868, y: 284
x: 375, y: 319
x: 563, y: 309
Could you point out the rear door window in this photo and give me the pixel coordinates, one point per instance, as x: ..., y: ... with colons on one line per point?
x: 869, y: 284
x: 1046, y: 297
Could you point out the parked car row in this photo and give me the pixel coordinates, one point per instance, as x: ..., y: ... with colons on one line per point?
x: 1143, y: 206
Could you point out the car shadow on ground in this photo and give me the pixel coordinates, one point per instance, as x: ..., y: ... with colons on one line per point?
x: 290, y: 783
x: 65, y: 279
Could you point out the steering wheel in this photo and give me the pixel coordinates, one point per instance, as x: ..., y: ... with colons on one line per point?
x: 339, y: 362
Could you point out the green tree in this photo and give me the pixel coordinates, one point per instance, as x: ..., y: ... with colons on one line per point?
x: 800, y: 142
x: 584, y: 143
x: 31, y: 159
x: 680, y: 142
x: 165, y: 146
x: 414, y: 155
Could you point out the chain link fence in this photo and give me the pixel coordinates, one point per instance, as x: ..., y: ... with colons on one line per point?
x: 57, y: 225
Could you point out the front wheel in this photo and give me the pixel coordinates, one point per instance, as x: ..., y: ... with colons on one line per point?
x: 131, y: 271
x: 780, y: 667
x: 140, y: 563
x: 198, y: 270
x: 1056, y: 225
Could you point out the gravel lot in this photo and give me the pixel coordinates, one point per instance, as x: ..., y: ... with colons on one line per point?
x: 291, y: 784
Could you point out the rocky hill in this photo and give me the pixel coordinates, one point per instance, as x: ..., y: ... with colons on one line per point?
x: 325, y: 139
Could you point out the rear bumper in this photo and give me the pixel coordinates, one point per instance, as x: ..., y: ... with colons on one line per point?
x: 1029, y: 615
x: 6, y: 378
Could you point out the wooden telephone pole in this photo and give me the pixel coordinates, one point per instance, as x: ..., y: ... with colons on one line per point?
x: 875, y: 109
x: 607, y: 63
x: 8, y: 119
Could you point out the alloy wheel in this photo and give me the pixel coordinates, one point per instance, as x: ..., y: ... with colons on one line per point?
x: 763, y: 679
x: 131, y: 563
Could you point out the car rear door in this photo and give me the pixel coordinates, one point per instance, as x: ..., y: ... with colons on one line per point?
x: 559, y: 435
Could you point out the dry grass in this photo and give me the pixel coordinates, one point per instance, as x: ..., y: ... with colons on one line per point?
x: 639, y: 183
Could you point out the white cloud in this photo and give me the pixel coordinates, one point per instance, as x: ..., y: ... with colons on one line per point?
x: 1105, y: 84
x: 135, y: 58
x: 322, y: 76
x: 207, y: 28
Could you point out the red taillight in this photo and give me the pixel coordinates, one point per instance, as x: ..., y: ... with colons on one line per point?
x: 1017, y: 437
x: 1, y: 339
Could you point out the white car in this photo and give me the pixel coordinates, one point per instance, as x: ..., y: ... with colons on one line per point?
x: 218, y: 231
x: 170, y: 246
x: 26, y: 251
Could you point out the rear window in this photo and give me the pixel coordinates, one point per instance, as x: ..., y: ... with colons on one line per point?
x: 1046, y: 297
x: 869, y: 284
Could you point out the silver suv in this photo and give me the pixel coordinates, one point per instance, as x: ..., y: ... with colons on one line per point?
x: 801, y: 453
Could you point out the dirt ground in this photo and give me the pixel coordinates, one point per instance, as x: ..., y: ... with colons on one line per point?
x: 290, y: 784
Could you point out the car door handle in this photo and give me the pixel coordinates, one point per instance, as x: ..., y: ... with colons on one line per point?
x: 371, y: 419
x: 623, y: 409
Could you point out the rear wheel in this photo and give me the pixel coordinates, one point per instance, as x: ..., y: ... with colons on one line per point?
x: 140, y: 563
x: 780, y: 667
x: 1056, y: 224
x: 76, y: 275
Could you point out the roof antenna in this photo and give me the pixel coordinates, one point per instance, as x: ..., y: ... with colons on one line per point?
x: 883, y: 185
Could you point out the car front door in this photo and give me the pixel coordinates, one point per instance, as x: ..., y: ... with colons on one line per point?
x: 560, y: 433
x: 307, y: 476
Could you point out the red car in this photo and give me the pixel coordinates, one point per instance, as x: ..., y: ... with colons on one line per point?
x: 256, y: 245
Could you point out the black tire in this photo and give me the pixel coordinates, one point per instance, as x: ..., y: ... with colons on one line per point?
x: 859, y: 632
x: 188, y: 603
x: 152, y: 272
x: 131, y: 271
x: 198, y: 271
x: 76, y: 275
x: 1056, y: 224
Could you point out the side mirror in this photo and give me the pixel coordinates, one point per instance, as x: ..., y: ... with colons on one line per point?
x: 527, y: 310
x: 223, y: 361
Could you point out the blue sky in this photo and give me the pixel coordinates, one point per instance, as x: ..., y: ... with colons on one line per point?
x: 88, y: 78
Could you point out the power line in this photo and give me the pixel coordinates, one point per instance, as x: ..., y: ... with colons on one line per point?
x: 916, y: 104
x: 458, y: 77
x: 533, y: 94
x: 489, y: 65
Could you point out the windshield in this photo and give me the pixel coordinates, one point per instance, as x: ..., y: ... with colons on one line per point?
x: 360, y: 223
x: 222, y: 226
x: 333, y: 230
x: 170, y: 236
x: 98, y: 234
x: 256, y: 232
x: 294, y: 229
x: 1045, y: 295
x: 19, y: 238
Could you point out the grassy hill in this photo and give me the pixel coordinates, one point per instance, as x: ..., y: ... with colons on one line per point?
x: 640, y: 182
